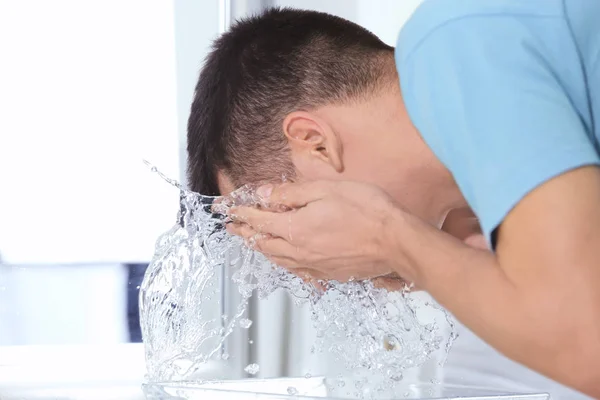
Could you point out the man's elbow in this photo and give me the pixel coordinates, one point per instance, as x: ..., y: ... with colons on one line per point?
x: 581, y: 360
x: 573, y: 340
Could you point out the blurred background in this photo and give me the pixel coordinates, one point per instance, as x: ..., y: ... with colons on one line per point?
x: 89, y: 88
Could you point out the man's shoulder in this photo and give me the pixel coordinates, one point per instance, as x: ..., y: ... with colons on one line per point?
x: 432, y: 15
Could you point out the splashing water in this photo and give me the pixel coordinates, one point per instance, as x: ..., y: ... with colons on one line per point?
x: 245, y: 323
x: 368, y: 328
x: 252, y: 369
x: 292, y: 391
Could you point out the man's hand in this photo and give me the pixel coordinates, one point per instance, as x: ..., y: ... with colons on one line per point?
x: 333, y: 231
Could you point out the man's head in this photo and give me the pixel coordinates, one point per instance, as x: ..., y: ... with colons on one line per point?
x: 304, y: 95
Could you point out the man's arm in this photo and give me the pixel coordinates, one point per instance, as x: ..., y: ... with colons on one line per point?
x: 500, y: 99
x: 538, y: 299
x: 460, y: 223
x: 463, y: 224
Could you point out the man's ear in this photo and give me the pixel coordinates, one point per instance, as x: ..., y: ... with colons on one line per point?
x: 312, y: 139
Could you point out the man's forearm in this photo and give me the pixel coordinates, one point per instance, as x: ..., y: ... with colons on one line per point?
x: 520, y: 321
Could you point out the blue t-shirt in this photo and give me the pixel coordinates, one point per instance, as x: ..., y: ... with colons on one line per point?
x: 506, y: 93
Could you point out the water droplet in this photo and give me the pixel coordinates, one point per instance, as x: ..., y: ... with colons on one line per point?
x: 397, y: 377
x: 292, y: 391
x: 250, y: 341
x: 308, y: 375
x: 225, y: 356
x: 245, y: 323
x: 252, y: 369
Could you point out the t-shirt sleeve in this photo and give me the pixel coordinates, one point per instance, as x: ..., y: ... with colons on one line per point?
x: 496, y: 107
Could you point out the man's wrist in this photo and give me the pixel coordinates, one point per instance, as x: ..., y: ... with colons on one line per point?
x: 395, y: 227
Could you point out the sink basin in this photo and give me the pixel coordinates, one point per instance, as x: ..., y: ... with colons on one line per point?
x: 317, y: 388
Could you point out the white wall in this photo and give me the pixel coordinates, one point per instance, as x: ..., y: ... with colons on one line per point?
x: 382, y: 17
x: 88, y: 89
x: 342, y: 8
x: 385, y: 18
x: 197, y: 24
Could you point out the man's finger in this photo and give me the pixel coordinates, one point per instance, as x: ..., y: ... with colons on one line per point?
x: 389, y: 284
x: 310, y: 274
x: 270, y: 246
x: 272, y: 223
x: 392, y: 283
x: 246, y: 232
x: 307, y: 275
x: 295, y: 195
x: 241, y: 229
x: 284, y: 262
x: 275, y: 247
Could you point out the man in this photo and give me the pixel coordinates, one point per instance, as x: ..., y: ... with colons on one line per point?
x: 495, y: 110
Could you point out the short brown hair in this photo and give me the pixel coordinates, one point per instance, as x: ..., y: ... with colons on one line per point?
x: 264, y: 68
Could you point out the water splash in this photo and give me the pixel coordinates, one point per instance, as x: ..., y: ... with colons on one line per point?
x: 292, y: 391
x: 245, y: 323
x: 367, y: 328
x: 154, y: 169
x: 252, y: 369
